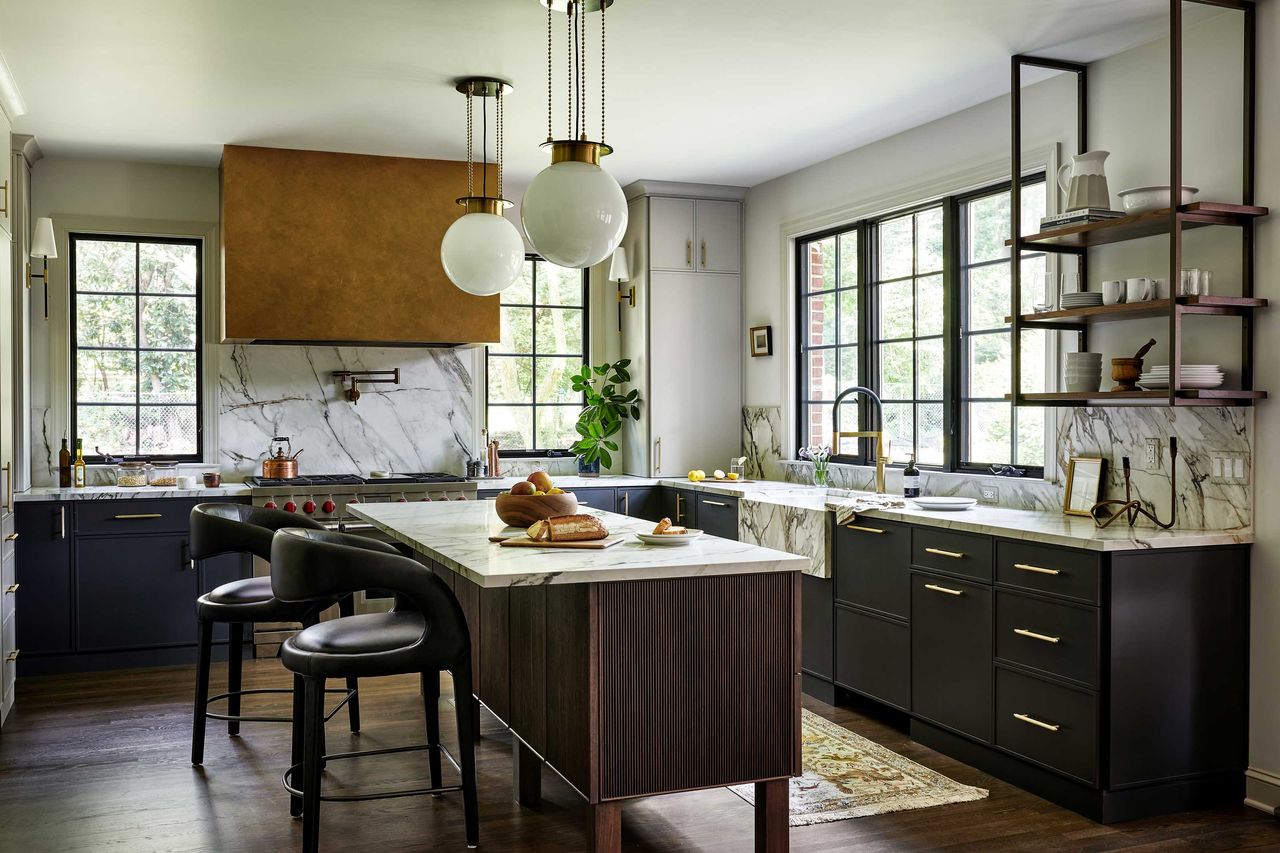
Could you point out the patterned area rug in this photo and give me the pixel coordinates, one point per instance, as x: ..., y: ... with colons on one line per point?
x: 847, y: 776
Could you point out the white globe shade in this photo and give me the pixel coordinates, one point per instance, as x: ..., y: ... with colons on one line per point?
x: 482, y: 253
x: 574, y: 214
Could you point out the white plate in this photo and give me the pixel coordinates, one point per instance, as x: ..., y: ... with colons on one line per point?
x: 669, y: 538
x: 1187, y: 385
x: 945, y: 503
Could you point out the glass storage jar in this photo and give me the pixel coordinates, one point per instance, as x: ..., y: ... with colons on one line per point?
x: 131, y: 475
x: 163, y: 474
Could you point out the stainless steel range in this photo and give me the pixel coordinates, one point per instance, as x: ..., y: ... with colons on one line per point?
x: 324, y: 498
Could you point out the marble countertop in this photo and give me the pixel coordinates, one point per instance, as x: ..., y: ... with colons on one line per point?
x: 107, y: 493
x: 569, y: 482
x: 456, y: 535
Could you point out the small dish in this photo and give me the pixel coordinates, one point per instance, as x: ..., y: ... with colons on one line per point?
x: 945, y: 504
x: 1143, y: 199
x: 669, y: 538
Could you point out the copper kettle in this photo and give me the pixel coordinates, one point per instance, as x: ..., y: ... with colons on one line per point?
x: 282, y: 462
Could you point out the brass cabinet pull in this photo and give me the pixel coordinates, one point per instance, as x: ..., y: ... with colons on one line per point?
x: 1037, y: 569
x: 62, y: 522
x: 1049, y: 727
x: 679, y: 502
x: 583, y: 503
x: 13, y: 655
x: 955, y: 555
x: 12, y: 537
x: 136, y: 515
x: 704, y: 254
x: 4, y: 211
x: 688, y: 253
x: 948, y: 590
x: 713, y: 503
x: 8, y: 491
x: 657, y: 452
x: 11, y: 588
x: 1033, y: 635
x: 862, y: 529
x: 626, y: 503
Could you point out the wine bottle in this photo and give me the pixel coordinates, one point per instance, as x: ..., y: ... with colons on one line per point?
x: 911, y: 479
x: 64, y: 466
x: 80, y: 470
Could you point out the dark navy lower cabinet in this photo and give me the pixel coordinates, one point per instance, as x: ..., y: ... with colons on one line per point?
x: 640, y: 502
x: 717, y: 515
x: 42, y: 555
x: 134, y: 592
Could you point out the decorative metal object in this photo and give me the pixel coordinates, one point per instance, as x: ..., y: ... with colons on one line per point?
x: 368, y: 377
x: 1083, y: 472
x: 1106, y: 512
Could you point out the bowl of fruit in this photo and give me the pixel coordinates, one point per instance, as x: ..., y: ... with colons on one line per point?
x: 534, y: 499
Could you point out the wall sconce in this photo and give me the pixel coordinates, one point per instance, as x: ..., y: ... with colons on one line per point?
x: 44, y: 247
x: 620, y: 272
x: 368, y: 377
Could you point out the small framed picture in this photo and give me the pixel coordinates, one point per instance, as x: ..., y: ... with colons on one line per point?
x: 761, y: 341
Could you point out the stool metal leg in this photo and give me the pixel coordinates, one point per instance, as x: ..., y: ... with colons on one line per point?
x: 299, y: 727
x: 202, y: 691
x: 431, y: 709
x: 347, y: 607
x: 465, y: 703
x: 313, y: 754
x: 235, y: 642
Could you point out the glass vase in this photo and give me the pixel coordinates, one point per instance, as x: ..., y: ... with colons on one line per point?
x: 820, y: 476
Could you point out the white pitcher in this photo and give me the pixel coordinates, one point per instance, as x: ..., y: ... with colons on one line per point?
x: 1086, y: 186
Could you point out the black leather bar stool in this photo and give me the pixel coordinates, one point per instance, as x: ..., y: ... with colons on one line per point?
x: 223, y: 528
x: 424, y: 633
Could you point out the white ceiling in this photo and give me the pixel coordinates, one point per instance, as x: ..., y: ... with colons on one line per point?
x: 719, y: 91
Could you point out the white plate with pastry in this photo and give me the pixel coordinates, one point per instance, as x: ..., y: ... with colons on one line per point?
x: 675, y: 537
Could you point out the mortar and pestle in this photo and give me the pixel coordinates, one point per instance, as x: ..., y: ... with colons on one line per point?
x: 1127, y: 371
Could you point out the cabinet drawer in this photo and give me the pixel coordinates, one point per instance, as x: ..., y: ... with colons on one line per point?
x: 133, y: 516
x: 872, y: 566
x: 8, y: 538
x: 8, y: 586
x: 951, y: 653
x: 816, y: 636
x: 1045, y: 722
x: 873, y: 656
x: 1044, y: 568
x: 597, y: 499
x: 955, y: 553
x: 1060, y: 639
x: 718, y: 515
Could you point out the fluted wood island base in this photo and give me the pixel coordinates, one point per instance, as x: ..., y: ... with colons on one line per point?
x: 632, y: 687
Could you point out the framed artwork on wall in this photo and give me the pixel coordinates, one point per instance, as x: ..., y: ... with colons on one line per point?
x: 761, y: 341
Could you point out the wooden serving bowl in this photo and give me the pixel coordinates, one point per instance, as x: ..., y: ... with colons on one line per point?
x: 524, y: 510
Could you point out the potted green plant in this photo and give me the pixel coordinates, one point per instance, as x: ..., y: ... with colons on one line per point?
x: 608, y: 405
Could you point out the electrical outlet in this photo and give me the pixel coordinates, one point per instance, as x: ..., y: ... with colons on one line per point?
x: 1154, y: 454
x: 990, y: 493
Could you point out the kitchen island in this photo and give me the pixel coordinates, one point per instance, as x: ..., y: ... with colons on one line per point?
x: 633, y: 671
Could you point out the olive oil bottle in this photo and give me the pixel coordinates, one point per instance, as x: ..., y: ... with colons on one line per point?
x: 80, y: 471
x: 64, y: 466
x: 911, y: 479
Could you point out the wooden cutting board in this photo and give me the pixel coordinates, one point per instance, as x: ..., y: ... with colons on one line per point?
x: 526, y: 542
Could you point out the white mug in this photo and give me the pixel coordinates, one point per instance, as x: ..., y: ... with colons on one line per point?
x: 1137, y: 289
x: 186, y: 481
x: 1161, y: 288
x: 1113, y: 292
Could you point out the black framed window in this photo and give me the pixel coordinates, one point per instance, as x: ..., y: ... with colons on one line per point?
x: 530, y: 404
x: 136, y: 353
x: 912, y: 305
x: 993, y: 431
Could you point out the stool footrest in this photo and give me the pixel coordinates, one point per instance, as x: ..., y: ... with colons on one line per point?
x: 244, y: 718
x: 377, y: 795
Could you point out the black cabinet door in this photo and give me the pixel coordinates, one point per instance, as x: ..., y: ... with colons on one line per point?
x: 951, y: 653
x: 718, y: 515
x: 216, y: 571
x: 873, y: 656
x: 134, y: 592
x: 679, y: 506
x: 815, y: 626
x: 597, y: 499
x: 873, y: 566
x: 640, y: 502
x: 43, y: 572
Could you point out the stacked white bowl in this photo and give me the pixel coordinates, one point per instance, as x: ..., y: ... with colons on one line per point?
x: 1083, y: 371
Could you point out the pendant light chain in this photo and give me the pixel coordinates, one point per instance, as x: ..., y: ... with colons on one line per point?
x: 582, y: 71
x: 549, y: 72
x: 568, y: 71
x: 498, y: 155
x: 603, y: 6
x: 484, y: 145
x: 470, y: 147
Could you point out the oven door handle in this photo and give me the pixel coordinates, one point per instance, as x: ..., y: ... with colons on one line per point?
x: 349, y: 527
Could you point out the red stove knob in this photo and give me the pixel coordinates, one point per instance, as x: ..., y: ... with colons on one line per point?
x: 402, y: 499
x: 309, y: 507
x: 354, y: 501
x: 460, y: 498
x: 424, y: 499
x: 329, y: 505
x: 290, y: 506
x: 269, y: 505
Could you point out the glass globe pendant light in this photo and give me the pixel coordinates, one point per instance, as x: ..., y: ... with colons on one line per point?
x: 482, y: 252
x: 574, y: 213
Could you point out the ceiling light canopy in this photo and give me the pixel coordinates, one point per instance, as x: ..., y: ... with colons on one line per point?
x: 574, y: 212
x: 482, y: 252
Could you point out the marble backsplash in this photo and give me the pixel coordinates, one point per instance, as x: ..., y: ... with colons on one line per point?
x: 1111, y: 433
x: 762, y: 441
x: 426, y: 423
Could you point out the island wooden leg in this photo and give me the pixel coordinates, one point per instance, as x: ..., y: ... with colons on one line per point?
x: 772, y: 813
x: 526, y: 774
x: 606, y: 827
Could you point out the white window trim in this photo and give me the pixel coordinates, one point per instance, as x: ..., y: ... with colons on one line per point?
x: 1041, y: 158
x: 60, y: 338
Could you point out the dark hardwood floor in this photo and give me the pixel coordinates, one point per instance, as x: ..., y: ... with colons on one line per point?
x: 101, y: 762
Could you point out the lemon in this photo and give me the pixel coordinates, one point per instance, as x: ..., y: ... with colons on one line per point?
x: 733, y: 475
x: 718, y: 474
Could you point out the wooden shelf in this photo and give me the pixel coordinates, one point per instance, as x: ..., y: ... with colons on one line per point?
x: 1149, y: 224
x: 1212, y: 305
x: 1188, y: 397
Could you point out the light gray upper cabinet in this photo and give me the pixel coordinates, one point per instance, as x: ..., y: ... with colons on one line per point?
x: 698, y: 235
x: 7, y: 194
